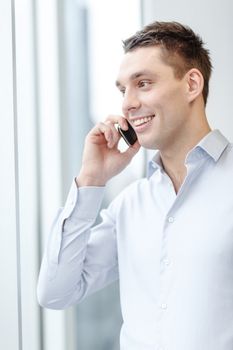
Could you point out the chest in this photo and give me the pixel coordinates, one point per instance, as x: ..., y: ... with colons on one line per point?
x: 195, y: 227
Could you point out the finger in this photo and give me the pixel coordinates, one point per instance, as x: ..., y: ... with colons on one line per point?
x: 118, y: 119
x: 102, y: 129
x: 131, y: 151
x: 136, y: 146
x: 109, y: 132
x: 115, y: 134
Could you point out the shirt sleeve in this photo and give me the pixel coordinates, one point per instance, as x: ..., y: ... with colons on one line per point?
x: 79, y: 259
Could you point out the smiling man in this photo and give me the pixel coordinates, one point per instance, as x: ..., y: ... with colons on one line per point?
x: 168, y: 237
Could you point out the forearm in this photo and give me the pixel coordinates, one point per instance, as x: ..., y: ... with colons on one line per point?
x: 78, y: 259
x: 62, y: 266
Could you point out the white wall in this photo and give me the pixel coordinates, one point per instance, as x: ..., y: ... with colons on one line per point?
x: 30, y: 170
x: 49, y: 143
x: 9, y: 301
x: 212, y: 19
x: 27, y: 174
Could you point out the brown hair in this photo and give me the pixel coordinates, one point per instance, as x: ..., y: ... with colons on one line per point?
x: 182, y: 49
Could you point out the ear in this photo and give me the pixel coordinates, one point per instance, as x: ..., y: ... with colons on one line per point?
x: 195, y: 84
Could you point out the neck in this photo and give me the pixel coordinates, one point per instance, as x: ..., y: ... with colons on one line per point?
x: 173, y: 158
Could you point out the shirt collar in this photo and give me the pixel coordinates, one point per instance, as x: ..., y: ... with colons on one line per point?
x: 213, y: 145
x: 154, y: 164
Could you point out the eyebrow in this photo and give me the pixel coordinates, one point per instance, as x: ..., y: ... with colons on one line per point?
x: 137, y: 75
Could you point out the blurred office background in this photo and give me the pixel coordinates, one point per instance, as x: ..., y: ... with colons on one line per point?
x: 58, y: 64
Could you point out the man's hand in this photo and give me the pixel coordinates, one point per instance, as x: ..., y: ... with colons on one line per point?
x: 101, y: 157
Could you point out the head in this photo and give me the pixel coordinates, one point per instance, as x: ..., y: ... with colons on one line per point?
x: 181, y: 48
x: 164, y: 79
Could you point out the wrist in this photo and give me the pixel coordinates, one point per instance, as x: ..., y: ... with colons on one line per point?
x: 85, y: 180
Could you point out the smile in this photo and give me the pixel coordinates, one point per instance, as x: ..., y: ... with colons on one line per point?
x: 142, y: 120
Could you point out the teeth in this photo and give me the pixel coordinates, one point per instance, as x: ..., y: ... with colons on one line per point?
x: 140, y: 121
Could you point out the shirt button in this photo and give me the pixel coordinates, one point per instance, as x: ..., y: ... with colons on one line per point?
x: 170, y: 219
x: 167, y: 262
x: 163, y: 306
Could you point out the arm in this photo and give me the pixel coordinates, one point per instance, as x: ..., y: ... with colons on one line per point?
x: 80, y: 259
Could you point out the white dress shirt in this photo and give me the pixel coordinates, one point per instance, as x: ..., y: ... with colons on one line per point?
x: 172, y: 253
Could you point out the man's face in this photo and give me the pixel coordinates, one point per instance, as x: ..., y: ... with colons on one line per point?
x: 154, y: 101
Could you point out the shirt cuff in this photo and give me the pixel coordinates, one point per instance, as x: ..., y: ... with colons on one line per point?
x: 83, y: 202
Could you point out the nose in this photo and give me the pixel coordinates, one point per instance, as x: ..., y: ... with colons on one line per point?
x: 130, y: 102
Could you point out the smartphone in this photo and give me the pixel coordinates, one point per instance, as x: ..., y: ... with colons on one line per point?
x: 129, y: 135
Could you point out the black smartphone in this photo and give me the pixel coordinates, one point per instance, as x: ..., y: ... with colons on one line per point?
x: 129, y: 135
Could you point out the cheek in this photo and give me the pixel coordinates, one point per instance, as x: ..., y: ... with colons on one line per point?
x: 152, y: 100
x: 160, y: 98
x: 165, y: 100
x: 173, y: 101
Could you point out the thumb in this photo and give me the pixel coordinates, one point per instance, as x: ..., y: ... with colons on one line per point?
x: 131, y: 151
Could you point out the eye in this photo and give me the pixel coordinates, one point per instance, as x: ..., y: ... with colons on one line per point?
x: 122, y: 91
x: 143, y: 83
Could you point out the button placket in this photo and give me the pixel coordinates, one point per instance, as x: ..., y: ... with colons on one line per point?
x: 163, y: 306
x: 165, y: 271
x: 166, y: 262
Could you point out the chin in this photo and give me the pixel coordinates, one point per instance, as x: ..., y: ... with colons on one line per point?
x: 148, y: 144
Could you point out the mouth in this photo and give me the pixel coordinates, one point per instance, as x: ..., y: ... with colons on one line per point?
x: 142, y: 120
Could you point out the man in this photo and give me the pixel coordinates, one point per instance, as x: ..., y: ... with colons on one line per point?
x: 168, y: 237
